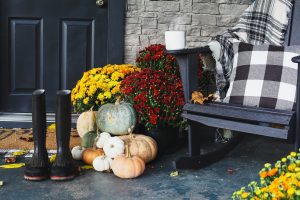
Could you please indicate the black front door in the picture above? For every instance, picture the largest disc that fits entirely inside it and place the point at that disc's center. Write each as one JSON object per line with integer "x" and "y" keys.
{"x": 50, "y": 43}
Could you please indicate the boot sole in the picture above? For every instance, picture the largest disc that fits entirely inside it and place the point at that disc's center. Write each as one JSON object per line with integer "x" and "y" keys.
{"x": 35, "y": 178}
{"x": 62, "y": 178}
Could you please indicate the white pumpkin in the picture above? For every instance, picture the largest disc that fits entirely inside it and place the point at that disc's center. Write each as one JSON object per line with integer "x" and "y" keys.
{"x": 77, "y": 152}
{"x": 86, "y": 122}
{"x": 102, "y": 163}
{"x": 104, "y": 136}
{"x": 113, "y": 147}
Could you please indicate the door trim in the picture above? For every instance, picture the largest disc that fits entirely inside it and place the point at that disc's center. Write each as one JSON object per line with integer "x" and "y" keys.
{"x": 115, "y": 43}
{"x": 115, "y": 55}
{"x": 24, "y": 120}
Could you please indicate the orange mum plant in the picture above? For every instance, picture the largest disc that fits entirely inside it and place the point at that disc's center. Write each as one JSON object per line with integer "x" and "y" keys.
{"x": 278, "y": 181}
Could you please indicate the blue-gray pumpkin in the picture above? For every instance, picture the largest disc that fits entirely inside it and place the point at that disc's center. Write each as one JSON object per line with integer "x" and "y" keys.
{"x": 116, "y": 118}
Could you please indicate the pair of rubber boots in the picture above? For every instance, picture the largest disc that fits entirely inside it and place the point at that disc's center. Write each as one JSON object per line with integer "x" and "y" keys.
{"x": 39, "y": 167}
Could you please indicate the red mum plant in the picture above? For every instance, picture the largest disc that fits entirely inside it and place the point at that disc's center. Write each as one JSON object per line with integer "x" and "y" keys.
{"x": 155, "y": 57}
{"x": 157, "y": 97}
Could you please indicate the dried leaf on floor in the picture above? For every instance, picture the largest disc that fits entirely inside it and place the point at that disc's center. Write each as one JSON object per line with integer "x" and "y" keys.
{"x": 1, "y": 183}
{"x": 27, "y": 139}
{"x": 12, "y": 166}
{"x": 52, "y": 158}
{"x": 174, "y": 174}
{"x": 230, "y": 170}
{"x": 10, "y": 159}
{"x": 87, "y": 167}
{"x": 74, "y": 135}
{"x": 51, "y": 127}
{"x": 20, "y": 153}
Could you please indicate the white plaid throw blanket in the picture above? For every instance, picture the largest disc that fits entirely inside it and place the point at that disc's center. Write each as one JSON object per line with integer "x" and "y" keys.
{"x": 263, "y": 22}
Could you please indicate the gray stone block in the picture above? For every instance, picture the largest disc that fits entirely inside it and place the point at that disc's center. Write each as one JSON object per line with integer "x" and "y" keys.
{"x": 132, "y": 40}
{"x": 133, "y": 20}
{"x": 201, "y": 20}
{"x": 148, "y": 31}
{"x": 168, "y": 18}
{"x": 227, "y": 20}
{"x": 162, "y": 6}
{"x": 193, "y": 31}
{"x": 133, "y": 29}
{"x": 211, "y": 31}
{"x": 232, "y": 9}
{"x": 205, "y": 8}
{"x": 149, "y": 23}
{"x": 186, "y": 6}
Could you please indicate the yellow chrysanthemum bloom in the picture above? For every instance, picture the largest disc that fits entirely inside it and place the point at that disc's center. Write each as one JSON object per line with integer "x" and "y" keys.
{"x": 99, "y": 86}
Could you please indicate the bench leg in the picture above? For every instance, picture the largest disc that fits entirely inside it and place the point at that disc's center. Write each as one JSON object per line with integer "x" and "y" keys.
{"x": 195, "y": 159}
{"x": 297, "y": 134}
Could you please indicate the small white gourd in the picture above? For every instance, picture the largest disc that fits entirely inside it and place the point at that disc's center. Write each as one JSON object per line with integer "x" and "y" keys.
{"x": 104, "y": 136}
{"x": 77, "y": 152}
{"x": 113, "y": 147}
{"x": 102, "y": 163}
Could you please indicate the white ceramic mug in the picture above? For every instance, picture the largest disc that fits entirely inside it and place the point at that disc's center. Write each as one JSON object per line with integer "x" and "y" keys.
{"x": 175, "y": 40}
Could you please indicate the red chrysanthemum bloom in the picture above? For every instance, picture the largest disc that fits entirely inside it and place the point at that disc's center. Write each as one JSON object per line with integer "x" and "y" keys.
{"x": 157, "y": 97}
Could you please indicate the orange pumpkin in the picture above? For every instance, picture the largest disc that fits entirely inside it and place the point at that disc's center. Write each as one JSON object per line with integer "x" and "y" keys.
{"x": 89, "y": 155}
{"x": 141, "y": 145}
{"x": 127, "y": 166}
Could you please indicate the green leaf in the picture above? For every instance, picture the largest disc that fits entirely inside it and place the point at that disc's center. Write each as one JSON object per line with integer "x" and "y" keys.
{"x": 88, "y": 139}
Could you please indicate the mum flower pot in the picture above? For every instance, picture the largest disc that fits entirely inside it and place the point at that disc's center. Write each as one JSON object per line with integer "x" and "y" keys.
{"x": 167, "y": 137}
{"x": 38, "y": 167}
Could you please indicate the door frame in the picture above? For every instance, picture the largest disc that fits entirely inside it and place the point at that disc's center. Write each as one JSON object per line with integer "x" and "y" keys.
{"x": 115, "y": 55}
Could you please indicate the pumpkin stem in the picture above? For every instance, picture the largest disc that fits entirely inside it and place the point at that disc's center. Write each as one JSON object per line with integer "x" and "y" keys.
{"x": 118, "y": 100}
{"x": 128, "y": 154}
{"x": 130, "y": 133}
{"x": 91, "y": 109}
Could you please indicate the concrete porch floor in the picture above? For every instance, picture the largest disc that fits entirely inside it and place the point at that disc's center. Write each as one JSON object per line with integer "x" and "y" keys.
{"x": 213, "y": 182}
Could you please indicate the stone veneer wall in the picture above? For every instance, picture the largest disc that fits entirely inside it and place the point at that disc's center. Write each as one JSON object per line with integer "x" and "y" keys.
{"x": 147, "y": 20}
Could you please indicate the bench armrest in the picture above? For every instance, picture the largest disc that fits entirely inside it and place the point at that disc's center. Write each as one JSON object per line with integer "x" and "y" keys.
{"x": 196, "y": 50}
{"x": 188, "y": 60}
{"x": 296, "y": 59}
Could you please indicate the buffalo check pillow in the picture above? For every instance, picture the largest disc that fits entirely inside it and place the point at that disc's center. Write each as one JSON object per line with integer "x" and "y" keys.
{"x": 263, "y": 76}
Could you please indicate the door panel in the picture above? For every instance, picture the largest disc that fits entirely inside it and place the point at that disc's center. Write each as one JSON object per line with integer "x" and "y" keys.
{"x": 77, "y": 50}
{"x": 50, "y": 43}
{"x": 25, "y": 55}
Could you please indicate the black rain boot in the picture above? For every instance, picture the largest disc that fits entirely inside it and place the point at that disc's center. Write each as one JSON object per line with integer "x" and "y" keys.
{"x": 63, "y": 167}
{"x": 38, "y": 167}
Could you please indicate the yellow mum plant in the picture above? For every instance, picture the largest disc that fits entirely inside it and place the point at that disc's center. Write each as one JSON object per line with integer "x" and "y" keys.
{"x": 278, "y": 181}
{"x": 100, "y": 86}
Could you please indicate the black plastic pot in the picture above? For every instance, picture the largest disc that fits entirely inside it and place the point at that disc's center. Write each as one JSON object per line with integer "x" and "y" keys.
{"x": 166, "y": 137}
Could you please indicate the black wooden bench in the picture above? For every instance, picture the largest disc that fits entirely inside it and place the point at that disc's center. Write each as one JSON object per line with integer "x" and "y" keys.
{"x": 234, "y": 117}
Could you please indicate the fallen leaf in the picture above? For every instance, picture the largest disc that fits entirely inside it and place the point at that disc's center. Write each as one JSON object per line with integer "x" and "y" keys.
{"x": 199, "y": 98}
{"x": 87, "y": 167}
{"x": 174, "y": 174}
{"x": 27, "y": 139}
{"x": 51, "y": 127}
{"x": 230, "y": 171}
{"x": 1, "y": 183}
{"x": 52, "y": 158}
{"x": 11, "y": 159}
{"x": 74, "y": 135}
{"x": 20, "y": 153}
{"x": 12, "y": 166}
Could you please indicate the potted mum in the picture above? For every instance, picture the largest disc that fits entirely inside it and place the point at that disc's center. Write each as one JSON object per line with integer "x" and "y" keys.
{"x": 157, "y": 94}
{"x": 99, "y": 86}
{"x": 278, "y": 181}
{"x": 154, "y": 57}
